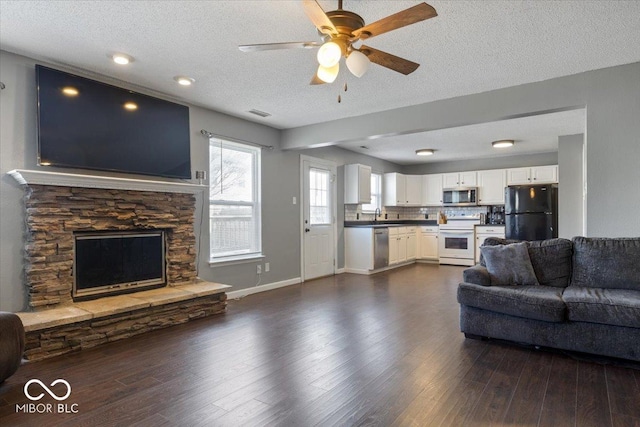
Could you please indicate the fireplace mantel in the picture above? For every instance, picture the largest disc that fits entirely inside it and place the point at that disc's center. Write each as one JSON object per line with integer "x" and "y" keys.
{"x": 26, "y": 177}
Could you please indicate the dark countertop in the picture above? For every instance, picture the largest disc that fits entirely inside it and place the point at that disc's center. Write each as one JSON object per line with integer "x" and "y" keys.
{"x": 390, "y": 223}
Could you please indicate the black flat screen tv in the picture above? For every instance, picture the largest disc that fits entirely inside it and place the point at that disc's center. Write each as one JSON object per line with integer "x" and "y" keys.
{"x": 86, "y": 124}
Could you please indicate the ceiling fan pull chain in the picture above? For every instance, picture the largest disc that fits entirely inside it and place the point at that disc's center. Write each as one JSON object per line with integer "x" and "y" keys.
{"x": 339, "y": 99}
{"x": 345, "y": 86}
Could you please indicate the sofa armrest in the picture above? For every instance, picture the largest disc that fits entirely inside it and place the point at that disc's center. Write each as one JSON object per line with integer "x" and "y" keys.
{"x": 477, "y": 274}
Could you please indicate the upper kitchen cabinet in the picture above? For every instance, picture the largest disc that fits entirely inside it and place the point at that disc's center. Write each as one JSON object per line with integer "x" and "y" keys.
{"x": 459, "y": 179}
{"x": 491, "y": 185}
{"x": 533, "y": 175}
{"x": 414, "y": 190}
{"x": 432, "y": 190}
{"x": 357, "y": 184}
{"x": 402, "y": 190}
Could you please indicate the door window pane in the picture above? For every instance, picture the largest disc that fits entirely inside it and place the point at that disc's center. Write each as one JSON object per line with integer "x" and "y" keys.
{"x": 319, "y": 208}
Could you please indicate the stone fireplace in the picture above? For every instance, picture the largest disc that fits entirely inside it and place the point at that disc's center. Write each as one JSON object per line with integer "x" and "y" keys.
{"x": 61, "y": 207}
{"x": 55, "y": 214}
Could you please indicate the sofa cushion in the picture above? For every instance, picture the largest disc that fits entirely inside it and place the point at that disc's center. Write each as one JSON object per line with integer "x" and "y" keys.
{"x": 606, "y": 306}
{"x": 551, "y": 259}
{"x": 612, "y": 263}
{"x": 509, "y": 264}
{"x": 531, "y": 302}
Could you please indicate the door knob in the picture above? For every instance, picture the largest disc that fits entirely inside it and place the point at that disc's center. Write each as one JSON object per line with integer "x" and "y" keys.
{"x": 306, "y": 230}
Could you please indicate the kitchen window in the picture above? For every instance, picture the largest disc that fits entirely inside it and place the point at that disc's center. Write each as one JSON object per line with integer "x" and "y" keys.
{"x": 234, "y": 201}
{"x": 376, "y": 194}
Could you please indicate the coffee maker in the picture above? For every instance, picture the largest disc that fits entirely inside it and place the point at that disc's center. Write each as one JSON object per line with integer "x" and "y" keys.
{"x": 496, "y": 214}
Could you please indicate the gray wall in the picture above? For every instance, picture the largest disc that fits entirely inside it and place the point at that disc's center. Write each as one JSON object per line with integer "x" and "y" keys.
{"x": 541, "y": 159}
{"x": 612, "y": 98}
{"x": 280, "y": 183}
{"x": 571, "y": 185}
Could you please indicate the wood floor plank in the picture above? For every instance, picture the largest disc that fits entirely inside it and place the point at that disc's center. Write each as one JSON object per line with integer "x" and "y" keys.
{"x": 559, "y": 404}
{"x": 592, "y": 402}
{"x": 381, "y": 350}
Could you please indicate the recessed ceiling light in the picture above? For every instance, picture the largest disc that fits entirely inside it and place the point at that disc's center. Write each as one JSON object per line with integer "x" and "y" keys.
{"x": 184, "y": 81}
{"x": 503, "y": 143}
{"x": 121, "y": 58}
{"x": 131, "y": 106}
{"x": 425, "y": 152}
{"x": 70, "y": 91}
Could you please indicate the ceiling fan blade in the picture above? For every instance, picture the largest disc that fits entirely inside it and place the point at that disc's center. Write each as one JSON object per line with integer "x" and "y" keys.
{"x": 409, "y": 16}
{"x": 276, "y": 46}
{"x": 392, "y": 62}
{"x": 315, "y": 80}
{"x": 320, "y": 19}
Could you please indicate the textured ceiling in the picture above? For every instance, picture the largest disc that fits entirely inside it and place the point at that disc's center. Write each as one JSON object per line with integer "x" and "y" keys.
{"x": 471, "y": 47}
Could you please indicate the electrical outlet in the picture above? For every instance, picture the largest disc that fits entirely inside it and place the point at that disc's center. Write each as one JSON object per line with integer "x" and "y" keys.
{"x": 266, "y": 267}
{"x": 259, "y": 269}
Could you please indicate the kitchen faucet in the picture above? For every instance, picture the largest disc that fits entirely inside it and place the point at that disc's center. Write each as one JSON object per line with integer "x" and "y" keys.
{"x": 377, "y": 214}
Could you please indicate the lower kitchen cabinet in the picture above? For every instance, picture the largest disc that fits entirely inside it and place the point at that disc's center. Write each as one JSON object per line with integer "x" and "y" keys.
{"x": 428, "y": 243}
{"x": 484, "y": 231}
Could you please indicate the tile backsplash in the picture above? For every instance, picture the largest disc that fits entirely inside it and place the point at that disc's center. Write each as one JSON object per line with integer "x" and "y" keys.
{"x": 354, "y": 212}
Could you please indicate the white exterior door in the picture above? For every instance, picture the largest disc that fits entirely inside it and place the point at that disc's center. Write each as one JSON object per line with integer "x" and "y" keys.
{"x": 318, "y": 218}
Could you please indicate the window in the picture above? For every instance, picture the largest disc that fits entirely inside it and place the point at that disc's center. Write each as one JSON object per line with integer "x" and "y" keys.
{"x": 376, "y": 194}
{"x": 234, "y": 200}
{"x": 319, "y": 208}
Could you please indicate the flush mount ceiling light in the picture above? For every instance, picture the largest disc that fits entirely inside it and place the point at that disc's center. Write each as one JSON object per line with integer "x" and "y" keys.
{"x": 341, "y": 30}
{"x": 503, "y": 143}
{"x": 131, "y": 106}
{"x": 184, "y": 80}
{"x": 425, "y": 152}
{"x": 121, "y": 58}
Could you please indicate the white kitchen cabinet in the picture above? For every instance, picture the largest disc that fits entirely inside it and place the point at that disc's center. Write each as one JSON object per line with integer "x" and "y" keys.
{"x": 402, "y": 190}
{"x": 432, "y": 190}
{"x": 428, "y": 242}
{"x": 394, "y": 189}
{"x": 412, "y": 243}
{"x": 459, "y": 179}
{"x": 413, "y": 190}
{"x": 357, "y": 184}
{"x": 533, "y": 175}
{"x": 402, "y": 245}
{"x": 491, "y": 184}
{"x": 484, "y": 231}
{"x": 544, "y": 174}
{"x": 394, "y": 245}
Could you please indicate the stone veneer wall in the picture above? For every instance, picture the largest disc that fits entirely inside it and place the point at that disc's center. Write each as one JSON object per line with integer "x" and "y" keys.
{"x": 54, "y": 213}
{"x": 58, "y": 340}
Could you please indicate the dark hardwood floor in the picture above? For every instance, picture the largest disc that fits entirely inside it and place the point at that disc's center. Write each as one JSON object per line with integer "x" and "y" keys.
{"x": 346, "y": 350}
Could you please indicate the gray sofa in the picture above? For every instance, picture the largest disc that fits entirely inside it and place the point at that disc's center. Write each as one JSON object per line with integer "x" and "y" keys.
{"x": 586, "y": 299}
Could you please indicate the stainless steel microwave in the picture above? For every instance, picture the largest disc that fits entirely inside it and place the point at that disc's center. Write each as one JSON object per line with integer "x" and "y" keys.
{"x": 460, "y": 196}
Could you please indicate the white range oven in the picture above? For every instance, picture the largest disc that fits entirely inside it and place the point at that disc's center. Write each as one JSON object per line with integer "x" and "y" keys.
{"x": 456, "y": 241}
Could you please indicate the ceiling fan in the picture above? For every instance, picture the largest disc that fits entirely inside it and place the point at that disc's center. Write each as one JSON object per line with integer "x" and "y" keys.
{"x": 340, "y": 29}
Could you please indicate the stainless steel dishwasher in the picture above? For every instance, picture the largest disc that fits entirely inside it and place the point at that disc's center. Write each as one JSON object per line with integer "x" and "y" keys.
{"x": 380, "y": 247}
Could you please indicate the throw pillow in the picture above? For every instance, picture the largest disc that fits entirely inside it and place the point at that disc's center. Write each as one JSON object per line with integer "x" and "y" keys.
{"x": 509, "y": 264}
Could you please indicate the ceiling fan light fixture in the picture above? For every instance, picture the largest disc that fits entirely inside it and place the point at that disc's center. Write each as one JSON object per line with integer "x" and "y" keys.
{"x": 328, "y": 74}
{"x": 329, "y": 54}
{"x": 425, "y": 152}
{"x": 358, "y": 63}
{"x": 503, "y": 143}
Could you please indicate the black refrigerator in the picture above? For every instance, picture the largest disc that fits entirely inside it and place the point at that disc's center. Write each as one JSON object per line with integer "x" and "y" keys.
{"x": 531, "y": 212}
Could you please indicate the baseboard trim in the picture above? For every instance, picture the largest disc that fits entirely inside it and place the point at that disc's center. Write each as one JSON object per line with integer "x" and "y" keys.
{"x": 263, "y": 288}
{"x": 341, "y": 270}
